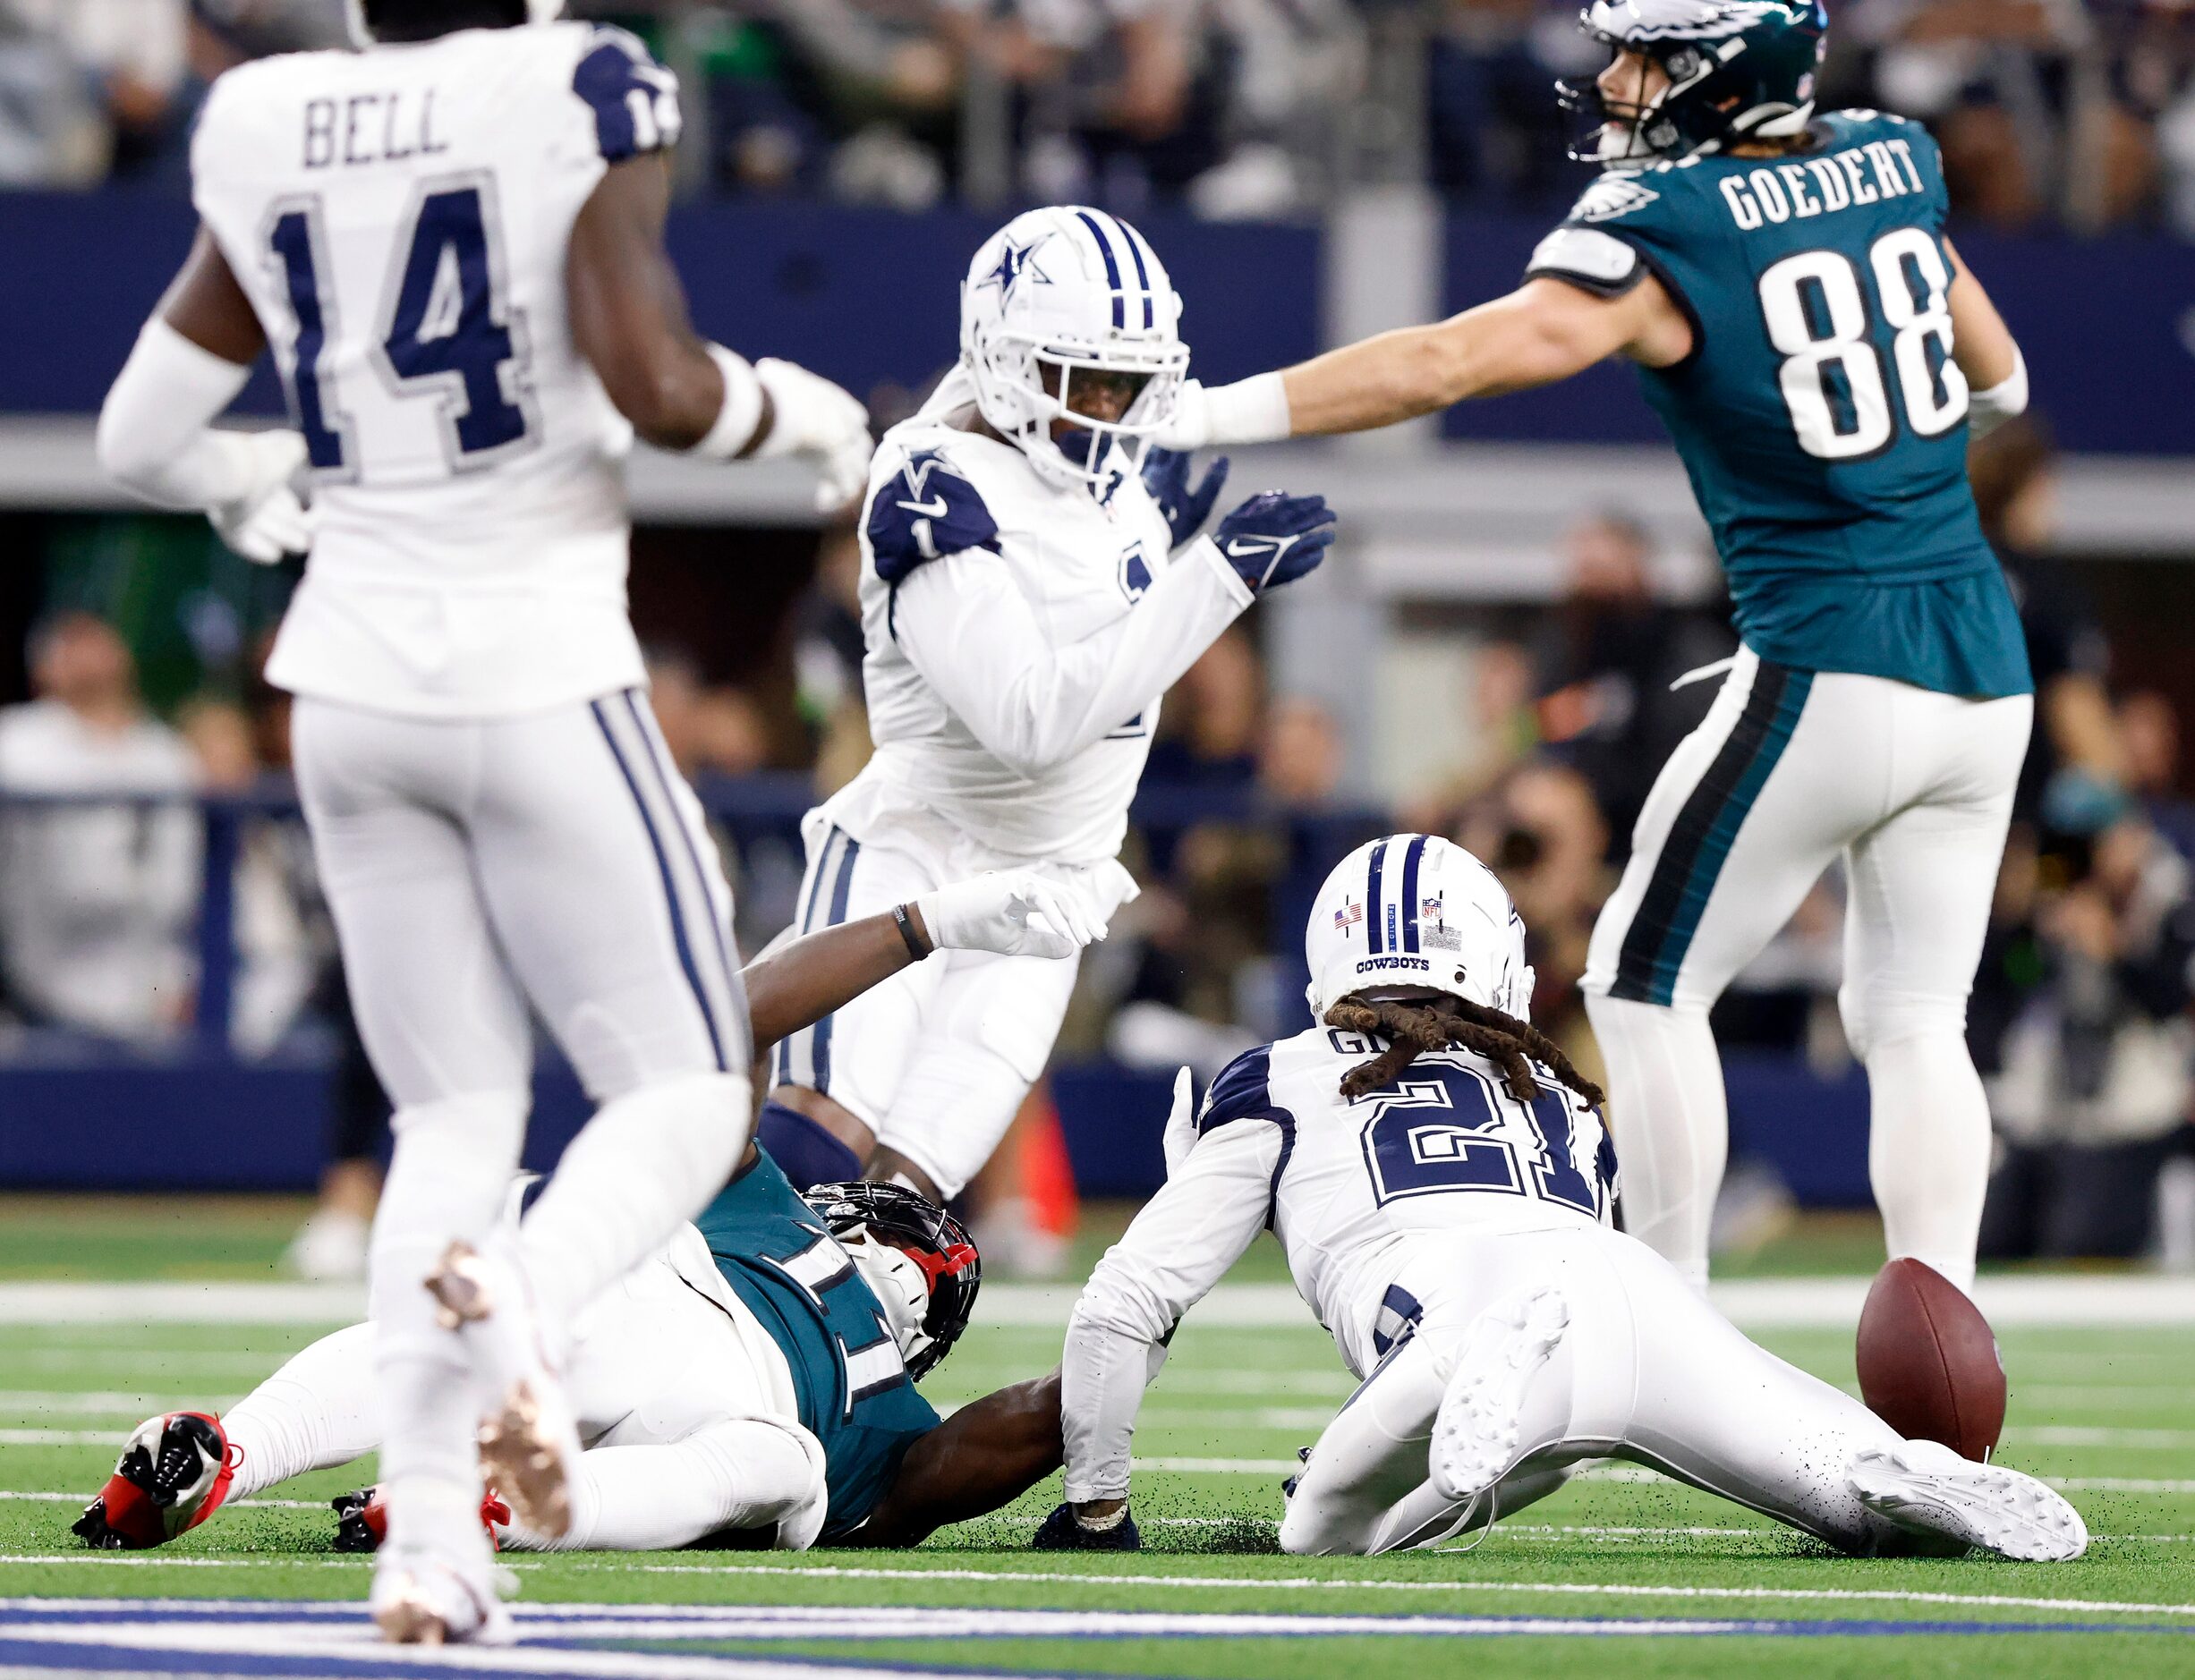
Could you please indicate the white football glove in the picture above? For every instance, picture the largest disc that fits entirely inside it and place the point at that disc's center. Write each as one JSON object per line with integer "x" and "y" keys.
{"x": 813, "y": 419}
{"x": 269, "y": 519}
{"x": 1014, "y": 914}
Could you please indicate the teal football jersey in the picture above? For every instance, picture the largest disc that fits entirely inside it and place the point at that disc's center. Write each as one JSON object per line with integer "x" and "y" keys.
{"x": 852, "y": 1390}
{"x": 1820, "y": 416}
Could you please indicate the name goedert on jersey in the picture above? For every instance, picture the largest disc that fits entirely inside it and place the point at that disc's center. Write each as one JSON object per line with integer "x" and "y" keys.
{"x": 1815, "y": 186}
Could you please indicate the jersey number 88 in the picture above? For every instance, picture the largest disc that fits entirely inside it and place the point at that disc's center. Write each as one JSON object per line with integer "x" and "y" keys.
{"x": 1833, "y": 378}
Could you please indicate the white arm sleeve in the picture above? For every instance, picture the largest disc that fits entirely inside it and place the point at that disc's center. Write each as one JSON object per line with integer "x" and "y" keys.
{"x": 968, "y": 629}
{"x": 1179, "y": 1246}
{"x": 154, "y": 436}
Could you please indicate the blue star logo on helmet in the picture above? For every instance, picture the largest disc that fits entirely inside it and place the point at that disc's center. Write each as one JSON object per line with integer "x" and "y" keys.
{"x": 1013, "y": 263}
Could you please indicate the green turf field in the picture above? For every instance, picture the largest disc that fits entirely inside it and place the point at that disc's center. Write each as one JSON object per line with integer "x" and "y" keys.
{"x": 2106, "y": 1411}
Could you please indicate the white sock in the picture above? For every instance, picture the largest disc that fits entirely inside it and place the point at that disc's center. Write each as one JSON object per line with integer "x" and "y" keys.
{"x": 447, "y": 1179}
{"x": 742, "y": 1473}
{"x": 1670, "y": 1124}
{"x": 1928, "y": 1148}
{"x": 317, "y": 1412}
{"x": 649, "y": 1161}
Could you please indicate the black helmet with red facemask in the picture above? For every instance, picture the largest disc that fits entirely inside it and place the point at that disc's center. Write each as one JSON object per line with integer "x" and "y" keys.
{"x": 916, "y": 1259}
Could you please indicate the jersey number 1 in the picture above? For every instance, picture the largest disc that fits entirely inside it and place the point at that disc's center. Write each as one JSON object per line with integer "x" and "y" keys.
{"x": 1832, "y": 377}
{"x": 447, "y": 330}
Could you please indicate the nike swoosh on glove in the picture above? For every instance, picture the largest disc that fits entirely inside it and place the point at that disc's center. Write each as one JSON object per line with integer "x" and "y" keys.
{"x": 1166, "y": 475}
{"x": 270, "y": 520}
{"x": 1274, "y": 539}
{"x": 813, "y": 419}
{"x": 1013, "y": 913}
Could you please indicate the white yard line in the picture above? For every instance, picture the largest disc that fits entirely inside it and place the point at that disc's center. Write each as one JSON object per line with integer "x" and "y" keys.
{"x": 49, "y": 1495}
{"x": 2082, "y": 1301}
{"x": 1235, "y": 1583}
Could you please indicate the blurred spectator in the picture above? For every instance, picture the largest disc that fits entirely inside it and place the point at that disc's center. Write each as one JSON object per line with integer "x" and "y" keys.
{"x": 1300, "y": 761}
{"x": 828, "y": 649}
{"x": 129, "y": 56}
{"x": 706, "y": 729}
{"x": 1612, "y": 701}
{"x": 2093, "y": 1079}
{"x": 1541, "y": 831}
{"x": 227, "y": 32}
{"x": 95, "y": 901}
{"x": 277, "y": 966}
{"x": 2075, "y": 753}
{"x": 1495, "y": 127}
{"x": 1209, "y": 722}
{"x": 2150, "y": 738}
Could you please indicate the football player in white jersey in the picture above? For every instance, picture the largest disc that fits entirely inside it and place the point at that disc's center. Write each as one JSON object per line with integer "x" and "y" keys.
{"x": 453, "y": 241}
{"x": 1026, "y": 599}
{"x": 1439, "y": 1177}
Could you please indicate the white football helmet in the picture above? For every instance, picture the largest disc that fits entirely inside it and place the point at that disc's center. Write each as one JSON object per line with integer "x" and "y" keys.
{"x": 1063, "y": 290}
{"x": 1417, "y": 909}
{"x": 361, "y": 35}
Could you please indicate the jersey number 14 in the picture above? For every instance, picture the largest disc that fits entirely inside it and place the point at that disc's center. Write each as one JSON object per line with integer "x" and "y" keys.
{"x": 1816, "y": 306}
{"x": 446, "y": 330}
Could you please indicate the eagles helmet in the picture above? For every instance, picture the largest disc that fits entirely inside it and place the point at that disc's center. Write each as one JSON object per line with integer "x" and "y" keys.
{"x": 1737, "y": 69}
{"x": 1417, "y": 909}
{"x": 916, "y": 1259}
{"x": 362, "y": 35}
{"x": 1068, "y": 292}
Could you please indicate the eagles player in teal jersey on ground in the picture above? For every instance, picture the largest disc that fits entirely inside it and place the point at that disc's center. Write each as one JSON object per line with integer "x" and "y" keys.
{"x": 1820, "y": 356}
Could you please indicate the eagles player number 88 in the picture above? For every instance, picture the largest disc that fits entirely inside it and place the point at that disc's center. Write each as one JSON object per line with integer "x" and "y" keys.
{"x": 1816, "y": 289}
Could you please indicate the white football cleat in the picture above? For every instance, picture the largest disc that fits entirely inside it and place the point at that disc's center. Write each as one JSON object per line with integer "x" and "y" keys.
{"x": 1926, "y": 1489}
{"x": 529, "y": 1440}
{"x": 423, "y": 1597}
{"x": 1474, "y": 1433}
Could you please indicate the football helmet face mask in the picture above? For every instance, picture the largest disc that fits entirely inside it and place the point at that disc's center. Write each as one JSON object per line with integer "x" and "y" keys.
{"x": 1733, "y": 69}
{"x": 1057, "y": 301}
{"x": 361, "y": 31}
{"x": 917, "y": 1259}
{"x": 1415, "y": 910}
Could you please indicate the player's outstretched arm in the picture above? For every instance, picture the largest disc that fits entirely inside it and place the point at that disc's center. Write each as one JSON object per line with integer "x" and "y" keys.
{"x": 1986, "y": 352}
{"x": 156, "y": 436}
{"x": 681, "y": 392}
{"x": 985, "y": 1456}
{"x": 1013, "y": 913}
{"x": 1544, "y": 331}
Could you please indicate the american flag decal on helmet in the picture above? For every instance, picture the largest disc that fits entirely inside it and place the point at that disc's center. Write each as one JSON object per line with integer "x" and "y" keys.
{"x": 1349, "y": 917}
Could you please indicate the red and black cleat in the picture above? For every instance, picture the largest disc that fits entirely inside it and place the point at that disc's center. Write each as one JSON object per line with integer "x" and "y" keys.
{"x": 174, "y": 1474}
{"x": 361, "y": 1519}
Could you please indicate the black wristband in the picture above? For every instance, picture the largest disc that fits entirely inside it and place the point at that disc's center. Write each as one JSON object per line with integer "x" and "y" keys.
{"x": 905, "y": 924}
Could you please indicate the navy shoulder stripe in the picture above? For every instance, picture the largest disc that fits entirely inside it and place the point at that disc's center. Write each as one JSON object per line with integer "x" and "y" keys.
{"x": 633, "y": 98}
{"x": 923, "y": 513}
{"x": 1244, "y": 1091}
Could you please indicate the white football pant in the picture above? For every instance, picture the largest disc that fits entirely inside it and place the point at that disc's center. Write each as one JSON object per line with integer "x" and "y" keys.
{"x": 474, "y": 868}
{"x": 936, "y": 1060}
{"x": 688, "y": 1429}
{"x": 1646, "y": 1371}
{"x": 1788, "y": 770}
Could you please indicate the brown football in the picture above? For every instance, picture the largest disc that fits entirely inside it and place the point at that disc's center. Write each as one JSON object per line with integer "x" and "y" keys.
{"x": 1929, "y": 1365}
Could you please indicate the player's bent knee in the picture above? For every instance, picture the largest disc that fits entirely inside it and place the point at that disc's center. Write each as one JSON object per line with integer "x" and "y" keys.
{"x": 1874, "y": 1020}
{"x": 701, "y": 1118}
{"x": 772, "y": 1472}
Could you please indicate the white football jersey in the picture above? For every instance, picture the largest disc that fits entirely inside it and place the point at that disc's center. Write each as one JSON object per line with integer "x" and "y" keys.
{"x": 1019, "y": 635}
{"x": 400, "y": 219}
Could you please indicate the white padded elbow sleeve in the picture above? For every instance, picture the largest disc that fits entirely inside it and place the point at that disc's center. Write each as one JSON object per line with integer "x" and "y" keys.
{"x": 1988, "y": 410}
{"x": 1252, "y": 410}
{"x": 742, "y": 407}
{"x": 154, "y": 436}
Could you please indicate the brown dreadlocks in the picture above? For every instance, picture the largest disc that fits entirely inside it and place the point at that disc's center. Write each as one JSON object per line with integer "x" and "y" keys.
{"x": 1413, "y": 1028}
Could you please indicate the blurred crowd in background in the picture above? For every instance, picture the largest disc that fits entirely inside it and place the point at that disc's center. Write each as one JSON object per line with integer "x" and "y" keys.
{"x": 2075, "y": 112}
{"x": 2082, "y": 1017}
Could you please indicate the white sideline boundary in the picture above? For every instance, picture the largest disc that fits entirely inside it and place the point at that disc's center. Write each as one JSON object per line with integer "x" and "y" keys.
{"x": 2070, "y": 1300}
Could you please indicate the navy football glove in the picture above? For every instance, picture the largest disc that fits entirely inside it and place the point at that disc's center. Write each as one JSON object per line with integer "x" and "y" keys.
{"x": 1166, "y": 475}
{"x": 1063, "y": 1531}
{"x": 1273, "y": 538}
